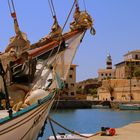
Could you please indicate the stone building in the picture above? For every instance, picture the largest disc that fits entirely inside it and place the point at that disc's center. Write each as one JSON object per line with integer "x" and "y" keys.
{"x": 70, "y": 84}
{"x": 126, "y": 68}
{"x": 120, "y": 90}
{"x": 124, "y": 86}
{"x": 108, "y": 72}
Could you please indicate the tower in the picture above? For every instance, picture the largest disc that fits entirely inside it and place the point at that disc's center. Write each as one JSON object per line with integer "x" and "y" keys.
{"x": 109, "y": 62}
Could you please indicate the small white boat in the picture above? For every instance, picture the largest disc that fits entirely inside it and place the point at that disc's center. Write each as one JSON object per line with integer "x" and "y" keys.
{"x": 63, "y": 136}
{"x": 99, "y": 107}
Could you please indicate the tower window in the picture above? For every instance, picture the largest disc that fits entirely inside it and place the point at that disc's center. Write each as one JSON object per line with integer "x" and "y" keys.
{"x": 109, "y": 63}
{"x": 136, "y": 56}
{"x": 71, "y": 68}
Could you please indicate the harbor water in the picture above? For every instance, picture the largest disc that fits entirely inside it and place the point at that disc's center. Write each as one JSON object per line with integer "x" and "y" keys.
{"x": 89, "y": 120}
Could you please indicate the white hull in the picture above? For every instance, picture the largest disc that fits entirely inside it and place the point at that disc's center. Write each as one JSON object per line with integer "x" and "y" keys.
{"x": 26, "y": 126}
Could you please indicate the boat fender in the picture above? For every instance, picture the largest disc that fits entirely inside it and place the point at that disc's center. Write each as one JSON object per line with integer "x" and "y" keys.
{"x": 35, "y": 96}
{"x": 107, "y": 131}
{"x": 112, "y": 131}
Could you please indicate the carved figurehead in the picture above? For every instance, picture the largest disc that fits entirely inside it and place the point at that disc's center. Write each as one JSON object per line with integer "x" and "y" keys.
{"x": 82, "y": 20}
{"x": 19, "y": 42}
{"x": 56, "y": 30}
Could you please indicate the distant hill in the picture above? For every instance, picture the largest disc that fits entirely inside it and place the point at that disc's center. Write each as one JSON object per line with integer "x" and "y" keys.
{"x": 88, "y": 81}
{"x": 87, "y": 86}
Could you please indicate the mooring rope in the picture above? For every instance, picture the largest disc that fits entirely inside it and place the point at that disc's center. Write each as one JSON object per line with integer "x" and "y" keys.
{"x": 71, "y": 131}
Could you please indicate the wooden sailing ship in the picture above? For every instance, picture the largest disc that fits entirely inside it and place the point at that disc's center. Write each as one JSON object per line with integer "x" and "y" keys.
{"x": 31, "y": 76}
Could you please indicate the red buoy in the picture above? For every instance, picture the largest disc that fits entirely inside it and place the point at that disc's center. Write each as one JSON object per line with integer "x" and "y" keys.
{"x": 112, "y": 131}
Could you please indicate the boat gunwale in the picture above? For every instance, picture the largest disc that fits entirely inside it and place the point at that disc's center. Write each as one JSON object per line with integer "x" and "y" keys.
{"x": 52, "y": 43}
{"x": 27, "y": 109}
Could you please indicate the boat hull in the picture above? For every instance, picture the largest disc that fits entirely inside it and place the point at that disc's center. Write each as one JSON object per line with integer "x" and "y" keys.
{"x": 129, "y": 107}
{"x": 99, "y": 107}
{"x": 27, "y": 125}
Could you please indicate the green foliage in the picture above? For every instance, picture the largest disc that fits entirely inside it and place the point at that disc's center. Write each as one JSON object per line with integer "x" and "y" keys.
{"x": 79, "y": 90}
{"x": 93, "y": 91}
{"x": 137, "y": 73}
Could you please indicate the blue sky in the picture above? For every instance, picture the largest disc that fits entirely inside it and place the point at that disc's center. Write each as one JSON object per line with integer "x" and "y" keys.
{"x": 117, "y": 23}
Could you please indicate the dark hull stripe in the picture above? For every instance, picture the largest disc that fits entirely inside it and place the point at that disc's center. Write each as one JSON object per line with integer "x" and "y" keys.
{"x": 26, "y": 119}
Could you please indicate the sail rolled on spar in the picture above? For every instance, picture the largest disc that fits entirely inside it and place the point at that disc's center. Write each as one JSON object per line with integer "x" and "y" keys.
{"x": 65, "y": 58}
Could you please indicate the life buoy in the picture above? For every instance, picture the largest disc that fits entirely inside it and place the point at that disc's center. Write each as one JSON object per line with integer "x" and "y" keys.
{"x": 112, "y": 131}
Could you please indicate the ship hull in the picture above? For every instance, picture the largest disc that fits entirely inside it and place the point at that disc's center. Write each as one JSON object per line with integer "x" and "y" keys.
{"x": 26, "y": 124}
{"x": 129, "y": 107}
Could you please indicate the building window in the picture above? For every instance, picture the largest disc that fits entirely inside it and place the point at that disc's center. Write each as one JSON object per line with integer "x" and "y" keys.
{"x": 72, "y": 93}
{"x": 66, "y": 85}
{"x": 127, "y": 63}
{"x": 106, "y": 74}
{"x": 102, "y": 74}
{"x": 72, "y": 84}
{"x": 66, "y": 93}
{"x": 70, "y": 76}
{"x": 110, "y": 74}
{"x": 136, "y": 56}
{"x": 71, "y": 68}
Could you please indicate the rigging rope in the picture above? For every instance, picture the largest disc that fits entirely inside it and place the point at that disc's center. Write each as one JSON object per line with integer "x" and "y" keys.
{"x": 13, "y": 14}
{"x": 75, "y": 1}
{"x": 11, "y": 6}
{"x": 52, "y": 128}
{"x": 40, "y": 71}
{"x": 56, "y": 54}
{"x": 84, "y": 5}
{"x": 50, "y": 8}
{"x": 77, "y": 4}
{"x": 51, "y": 5}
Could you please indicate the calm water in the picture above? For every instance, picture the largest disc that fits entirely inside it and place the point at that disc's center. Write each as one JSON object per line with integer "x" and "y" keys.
{"x": 90, "y": 120}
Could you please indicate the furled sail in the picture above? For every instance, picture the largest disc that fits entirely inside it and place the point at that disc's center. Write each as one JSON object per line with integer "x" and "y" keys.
{"x": 65, "y": 58}
{"x": 59, "y": 63}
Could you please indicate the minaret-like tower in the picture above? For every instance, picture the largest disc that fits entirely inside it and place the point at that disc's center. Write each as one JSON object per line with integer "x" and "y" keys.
{"x": 109, "y": 62}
